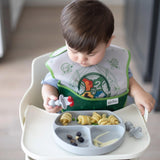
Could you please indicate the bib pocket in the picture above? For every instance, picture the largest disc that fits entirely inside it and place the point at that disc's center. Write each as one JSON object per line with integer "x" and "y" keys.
{"x": 84, "y": 103}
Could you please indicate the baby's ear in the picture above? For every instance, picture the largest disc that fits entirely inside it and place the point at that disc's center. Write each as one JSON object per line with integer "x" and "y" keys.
{"x": 110, "y": 40}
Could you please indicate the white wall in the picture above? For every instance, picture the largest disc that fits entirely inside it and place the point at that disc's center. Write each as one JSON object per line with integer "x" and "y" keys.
{"x": 63, "y": 2}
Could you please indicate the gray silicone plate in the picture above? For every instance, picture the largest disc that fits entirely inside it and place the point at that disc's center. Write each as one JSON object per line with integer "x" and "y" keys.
{"x": 89, "y": 133}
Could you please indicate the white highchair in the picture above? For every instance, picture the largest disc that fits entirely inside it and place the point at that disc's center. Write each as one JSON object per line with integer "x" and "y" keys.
{"x": 37, "y": 139}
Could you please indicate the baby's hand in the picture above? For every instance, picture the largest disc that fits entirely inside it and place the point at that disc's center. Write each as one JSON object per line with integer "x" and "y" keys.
{"x": 144, "y": 100}
{"x": 50, "y": 108}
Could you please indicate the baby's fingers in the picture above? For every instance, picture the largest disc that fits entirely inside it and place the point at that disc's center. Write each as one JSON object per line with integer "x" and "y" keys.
{"x": 54, "y": 110}
{"x": 149, "y": 105}
{"x": 141, "y": 108}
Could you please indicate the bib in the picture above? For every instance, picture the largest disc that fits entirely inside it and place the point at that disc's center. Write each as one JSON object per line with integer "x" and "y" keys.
{"x": 102, "y": 86}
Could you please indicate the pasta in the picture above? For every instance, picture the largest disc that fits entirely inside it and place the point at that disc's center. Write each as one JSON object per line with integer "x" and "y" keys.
{"x": 104, "y": 115}
{"x": 84, "y": 119}
{"x": 104, "y": 121}
{"x": 66, "y": 118}
{"x": 98, "y": 143}
{"x": 95, "y": 117}
{"x": 113, "y": 120}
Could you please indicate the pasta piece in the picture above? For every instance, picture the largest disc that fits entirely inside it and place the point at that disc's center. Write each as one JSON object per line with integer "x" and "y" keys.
{"x": 84, "y": 119}
{"x": 104, "y": 115}
{"x": 95, "y": 117}
{"x": 113, "y": 120}
{"x": 66, "y": 118}
{"x": 104, "y": 121}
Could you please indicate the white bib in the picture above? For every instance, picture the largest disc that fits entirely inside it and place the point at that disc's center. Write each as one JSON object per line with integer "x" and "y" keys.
{"x": 106, "y": 79}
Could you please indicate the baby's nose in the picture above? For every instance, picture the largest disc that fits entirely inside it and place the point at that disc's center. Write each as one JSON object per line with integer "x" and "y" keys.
{"x": 83, "y": 57}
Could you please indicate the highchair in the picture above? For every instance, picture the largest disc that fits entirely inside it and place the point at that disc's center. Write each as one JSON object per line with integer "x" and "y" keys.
{"x": 38, "y": 141}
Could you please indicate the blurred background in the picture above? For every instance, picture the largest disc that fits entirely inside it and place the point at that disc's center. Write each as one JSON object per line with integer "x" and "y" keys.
{"x": 30, "y": 28}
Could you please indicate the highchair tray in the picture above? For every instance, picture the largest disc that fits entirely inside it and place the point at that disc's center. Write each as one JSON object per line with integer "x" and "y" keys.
{"x": 39, "y": 142}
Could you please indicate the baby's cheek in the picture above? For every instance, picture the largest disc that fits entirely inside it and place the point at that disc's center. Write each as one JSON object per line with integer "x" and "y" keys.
{"x": 95, "y": 61}
{"x": 74, "y": 58}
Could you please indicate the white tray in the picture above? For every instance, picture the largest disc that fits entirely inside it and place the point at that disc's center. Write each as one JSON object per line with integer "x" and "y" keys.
{"x": 38, "y": 141}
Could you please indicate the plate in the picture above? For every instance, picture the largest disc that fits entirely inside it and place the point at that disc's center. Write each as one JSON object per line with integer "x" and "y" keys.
{"x": 98, "y": 139}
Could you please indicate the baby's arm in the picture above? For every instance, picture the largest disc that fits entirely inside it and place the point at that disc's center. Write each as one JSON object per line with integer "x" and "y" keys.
{"x": 49, "y": 92}
{"x": 141, "y": 97}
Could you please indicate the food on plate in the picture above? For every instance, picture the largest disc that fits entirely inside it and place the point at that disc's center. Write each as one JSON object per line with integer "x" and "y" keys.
{"x": 84, "y": 119}
{"x": 98, "y": 143}
{"x": 113, "y": 120}
{"x": 76, "y": 140}
{"x": 66, "y": 118}
{"x": 104, "y": 121}
{"x": 95, "y": 117}
{"x": 98, "y": 119}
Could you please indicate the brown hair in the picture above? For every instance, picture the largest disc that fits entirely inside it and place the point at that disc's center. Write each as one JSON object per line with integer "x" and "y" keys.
{"x": 86, "y": 23}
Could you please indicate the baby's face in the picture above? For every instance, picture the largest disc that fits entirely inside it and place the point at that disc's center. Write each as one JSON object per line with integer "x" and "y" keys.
{"x": 86, "y": 60}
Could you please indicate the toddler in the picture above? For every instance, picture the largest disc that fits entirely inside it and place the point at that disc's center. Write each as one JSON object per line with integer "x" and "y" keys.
{"x": 89, "y": 68}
